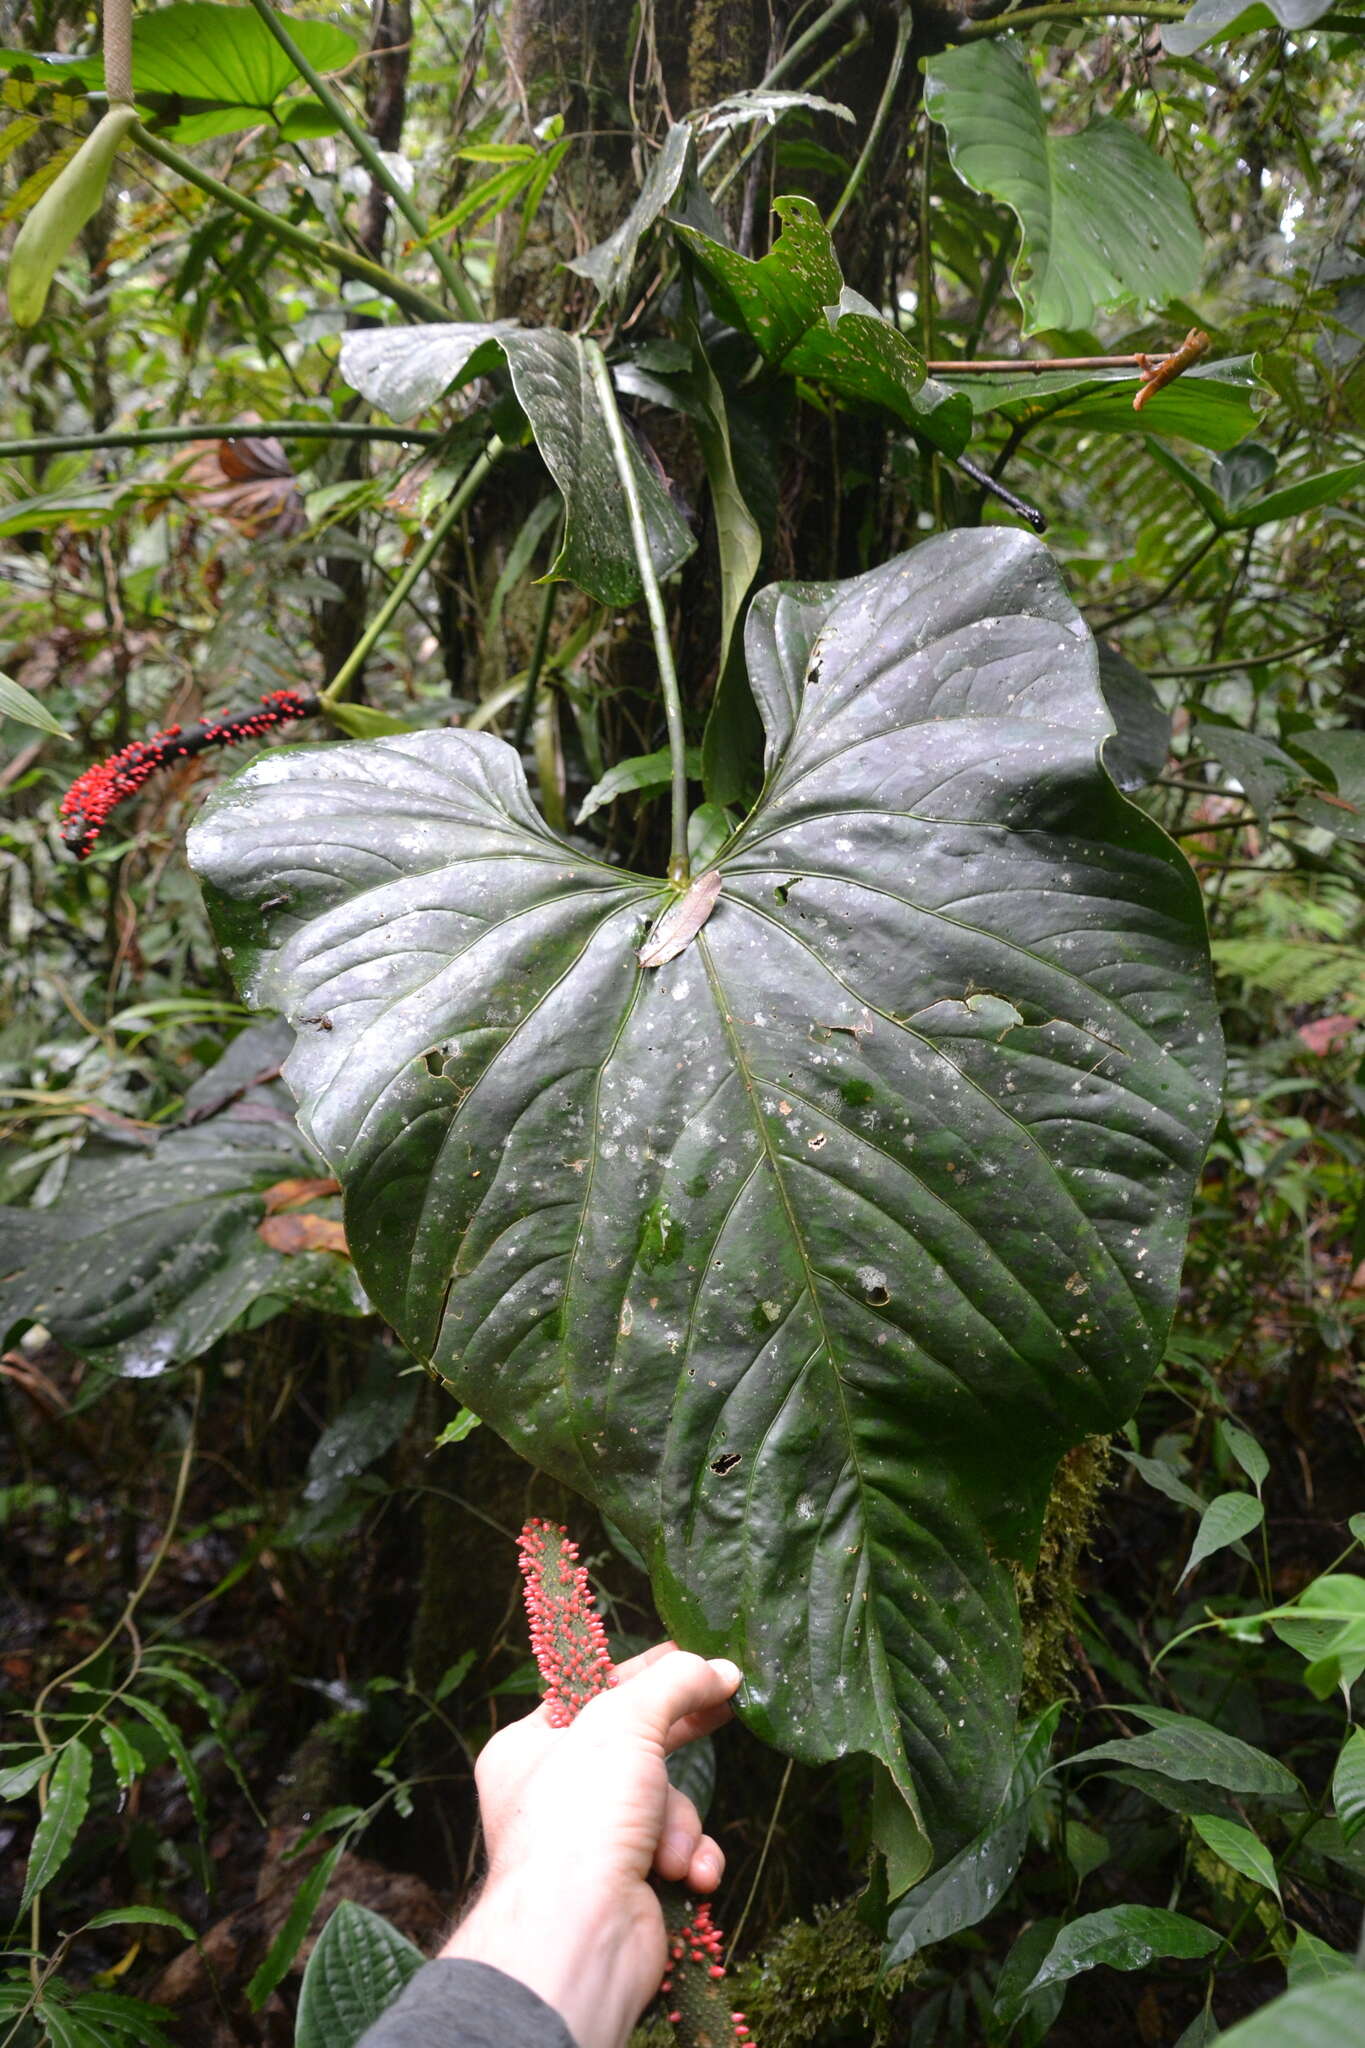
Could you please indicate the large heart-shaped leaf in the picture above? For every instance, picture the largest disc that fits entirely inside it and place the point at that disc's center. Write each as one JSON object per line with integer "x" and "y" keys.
{"x": 1105, "y": 222}
{"x": 145, "y": 1261}
{"x": 402, "y": 370}
{"x": 807, "y": 1254}
{"x": 211, "y": 69}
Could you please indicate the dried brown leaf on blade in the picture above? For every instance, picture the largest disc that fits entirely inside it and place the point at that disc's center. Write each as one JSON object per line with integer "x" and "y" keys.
{"x": 285, "y": 1193}
{"x": 305, "y": 1233}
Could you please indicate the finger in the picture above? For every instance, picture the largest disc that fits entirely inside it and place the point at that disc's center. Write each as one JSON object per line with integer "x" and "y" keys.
{"x": 679, "y": 1837}
{"x": 707, "y": 1867}
{"x": 693, "y": 1725}
{"x": 633, "y": 1666}
{"x": 668, "y": 1690}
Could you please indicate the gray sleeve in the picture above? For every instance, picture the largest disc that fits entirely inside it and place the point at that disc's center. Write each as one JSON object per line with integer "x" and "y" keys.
{"x": 459, "y": 2004}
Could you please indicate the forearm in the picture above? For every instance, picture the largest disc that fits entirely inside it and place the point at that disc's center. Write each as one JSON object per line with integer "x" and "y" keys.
{"x": 468, "y": 2004}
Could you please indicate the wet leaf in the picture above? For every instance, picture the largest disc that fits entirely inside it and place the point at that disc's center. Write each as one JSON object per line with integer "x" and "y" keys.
{"x": 701, "y": 1239}
{"x": 150, "y": 1256}
{"x": 402, "y": 370}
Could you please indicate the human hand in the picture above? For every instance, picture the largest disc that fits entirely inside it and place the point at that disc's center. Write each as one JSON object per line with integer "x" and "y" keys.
{"x": 575, "y": 1819}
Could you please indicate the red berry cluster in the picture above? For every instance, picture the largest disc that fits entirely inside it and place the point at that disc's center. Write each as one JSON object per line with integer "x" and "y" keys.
{"x": 698, "y": 1941}
{"x": 570, "y": 1648}
{"x": 567, "y": 1637}
{"x": 92, "y": 796}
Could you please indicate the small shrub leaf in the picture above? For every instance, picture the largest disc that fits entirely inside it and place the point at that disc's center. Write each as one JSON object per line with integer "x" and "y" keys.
{"x": 357, "y": 1969}
{"x": 68, "y": 1796}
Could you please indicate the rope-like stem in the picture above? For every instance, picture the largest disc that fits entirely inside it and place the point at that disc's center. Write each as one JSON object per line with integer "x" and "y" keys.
{"x": 211, "y": 430}
{"x": 364, "y": 145}
{"x": 678, "y": 865}
{"x": 879, "y": 121}
{"x": 331, "y": 255}
{"x": 118, "y": 51}
{"x": 397, "y": 597}
{"x": 1067, "y": 10}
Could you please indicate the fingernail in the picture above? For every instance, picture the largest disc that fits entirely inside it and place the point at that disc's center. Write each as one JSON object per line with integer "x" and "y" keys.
{"x": 731, "y": 1673}
{"x": 678, "y": 1848}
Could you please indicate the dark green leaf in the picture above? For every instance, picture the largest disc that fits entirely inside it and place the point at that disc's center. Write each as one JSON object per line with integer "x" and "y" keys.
{"x": 149, "y": 1257}
{"x": 17, "y": 1779}
{"x": 1313, "y": 491}
{"x": 404, "y": 369}
{"x": 299, "y": 1919}
{"x": 1242, "y": 472}
{"x": 778, "y": 297}
{"x": 358, "y": 1967}
{"x": 1124, "y": 1938}
{"x": 1137, "y": 752}
{"x": 1191, "y": 1751}
{"x": 140, "y": 1916}
{"x": 1216, "y": 21}
{"x": 177, "y": 1749}
{"x": 807, "y": 1162}
{"x": 972, "y": 1884}
{"x": 738, "y": 540}
{"x": 68, "y": 1796}
{"x": 1209, "y": 404}
{"x": 1105, "y": 221}
{"x": 1348, "y": 1785}
{"x": 1322, "y": 2015}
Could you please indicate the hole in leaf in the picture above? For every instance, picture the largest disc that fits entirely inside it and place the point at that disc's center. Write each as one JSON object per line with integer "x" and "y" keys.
{"x": 879, "y": 1296}
{"x": 725, "y": 1463}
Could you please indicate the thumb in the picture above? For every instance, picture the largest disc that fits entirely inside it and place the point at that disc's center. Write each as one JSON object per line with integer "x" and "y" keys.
{"x": 674, "y": 1686}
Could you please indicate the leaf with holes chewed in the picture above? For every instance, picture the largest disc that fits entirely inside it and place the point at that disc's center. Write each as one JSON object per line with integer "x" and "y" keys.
{"x": 799, "y": 1258}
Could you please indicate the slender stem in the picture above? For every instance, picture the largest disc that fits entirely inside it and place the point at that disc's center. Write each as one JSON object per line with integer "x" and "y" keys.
{"x": 762, "y": 1858}
{"x": 678, "y": 867}
{"x": 1173, "y": 582}
{"x": 330, "y": 254}
{"x": 879, "y": 121}
{"x": 1066, "y": 10}
{"x": 364, "y": 145}
{"x": 210, "y": 430}
{"x": 397, "y": 597}
{"x": 1034, "y": 366}
{"x": 537, "y": 663}
{"x": 1227, "y": 668}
